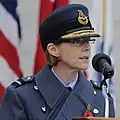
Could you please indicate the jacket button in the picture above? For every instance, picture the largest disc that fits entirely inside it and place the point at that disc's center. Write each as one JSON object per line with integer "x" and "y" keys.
{"x": 94, "y": 92}
{"x": 28, "y": 78}
{"x": 96, "y": 111}
{"x": 35, "y": 87}
{"x": 43, "y": 109}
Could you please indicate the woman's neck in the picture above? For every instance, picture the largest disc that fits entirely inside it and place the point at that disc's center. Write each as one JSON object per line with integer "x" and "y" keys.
{"x": 65, "y": 73}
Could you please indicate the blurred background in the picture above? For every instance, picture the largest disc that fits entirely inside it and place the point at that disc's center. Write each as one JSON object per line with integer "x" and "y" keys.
{"x": 21, "y": 53}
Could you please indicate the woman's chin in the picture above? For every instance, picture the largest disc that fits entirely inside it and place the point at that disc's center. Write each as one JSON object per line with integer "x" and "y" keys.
{"x": 85, "y": 67}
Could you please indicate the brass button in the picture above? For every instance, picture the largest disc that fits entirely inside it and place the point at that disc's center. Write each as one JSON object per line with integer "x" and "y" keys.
{"x": 94, "y": 92}
{"x": 43, "y": 109}
{"x": 35, "y": 87}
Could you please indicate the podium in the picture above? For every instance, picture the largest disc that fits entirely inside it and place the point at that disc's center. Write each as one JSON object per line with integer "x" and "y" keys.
{"x": 95, "y": 118}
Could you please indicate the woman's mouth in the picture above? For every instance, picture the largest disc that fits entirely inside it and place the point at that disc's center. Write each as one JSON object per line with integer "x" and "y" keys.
{"x": 84, "y": 58}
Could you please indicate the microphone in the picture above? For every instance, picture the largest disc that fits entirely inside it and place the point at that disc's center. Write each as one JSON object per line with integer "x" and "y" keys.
{"x": 102, "y": 63}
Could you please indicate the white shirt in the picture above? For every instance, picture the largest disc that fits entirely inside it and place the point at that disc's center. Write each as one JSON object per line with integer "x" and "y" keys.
{"x": 72, "y": 84}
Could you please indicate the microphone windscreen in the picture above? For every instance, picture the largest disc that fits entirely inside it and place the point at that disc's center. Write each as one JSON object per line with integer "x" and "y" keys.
{"x": 97, "y": 58}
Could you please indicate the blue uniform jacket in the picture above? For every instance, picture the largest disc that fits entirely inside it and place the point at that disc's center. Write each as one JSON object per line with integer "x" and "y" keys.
{"x": 43, "y": 97}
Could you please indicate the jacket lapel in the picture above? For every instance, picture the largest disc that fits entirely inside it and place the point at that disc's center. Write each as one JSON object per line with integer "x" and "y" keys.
{"x": 84, "y": 90}
{"x": 50, "y": 88}
{"x": 77, "y": 101}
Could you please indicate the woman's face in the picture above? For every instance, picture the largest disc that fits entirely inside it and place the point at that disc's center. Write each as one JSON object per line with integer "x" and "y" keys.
{"x": 75, "y": 55}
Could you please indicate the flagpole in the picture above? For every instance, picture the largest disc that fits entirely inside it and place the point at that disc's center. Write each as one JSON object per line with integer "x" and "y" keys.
{"x": 106, "y": 45}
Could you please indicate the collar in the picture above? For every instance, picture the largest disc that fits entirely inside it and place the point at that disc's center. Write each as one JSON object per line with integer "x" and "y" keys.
{"x": 71, "y": 85}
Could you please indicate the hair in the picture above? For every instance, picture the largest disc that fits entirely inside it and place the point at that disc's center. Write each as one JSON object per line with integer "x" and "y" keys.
{"x": 51, "y": 60}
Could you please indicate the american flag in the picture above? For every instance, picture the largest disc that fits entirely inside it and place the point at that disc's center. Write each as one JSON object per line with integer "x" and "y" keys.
{"x": 12, "y": 39}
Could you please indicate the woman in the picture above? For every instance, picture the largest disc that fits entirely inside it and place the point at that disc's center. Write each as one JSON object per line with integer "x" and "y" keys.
{"x": 60, "y": 91}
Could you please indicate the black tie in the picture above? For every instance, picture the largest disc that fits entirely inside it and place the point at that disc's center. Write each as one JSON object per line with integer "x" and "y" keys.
{"x": 69, "y": 88}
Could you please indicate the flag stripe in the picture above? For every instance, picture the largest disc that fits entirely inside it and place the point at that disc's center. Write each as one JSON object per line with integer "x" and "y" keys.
{"x": 2, "y": 90}
{"x": 59, "y": 3}
{"x": 8, "y": 26}
{"x": 9, "y": 52}
{"x": 13, "y": 12}
{"x": 40, "y": 59}
{"x": 46, "y": 7}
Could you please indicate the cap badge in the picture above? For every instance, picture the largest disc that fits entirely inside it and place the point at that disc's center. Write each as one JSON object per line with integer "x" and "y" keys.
{"x": 82, "y": 18}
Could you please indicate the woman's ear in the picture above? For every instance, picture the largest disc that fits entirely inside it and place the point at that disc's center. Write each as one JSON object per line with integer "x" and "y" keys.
{"x": 53, "y": 50}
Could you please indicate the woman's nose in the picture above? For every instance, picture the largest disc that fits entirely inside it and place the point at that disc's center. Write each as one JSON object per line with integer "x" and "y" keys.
{"x": 86, "y": 47}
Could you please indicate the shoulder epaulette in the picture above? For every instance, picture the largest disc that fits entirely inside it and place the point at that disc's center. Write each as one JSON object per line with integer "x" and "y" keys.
{"x": 95, "y": 84}
{"x": 22, "y": 81}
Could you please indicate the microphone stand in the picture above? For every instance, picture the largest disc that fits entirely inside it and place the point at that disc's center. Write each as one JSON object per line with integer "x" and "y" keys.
{"x": 104, "y": 88}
